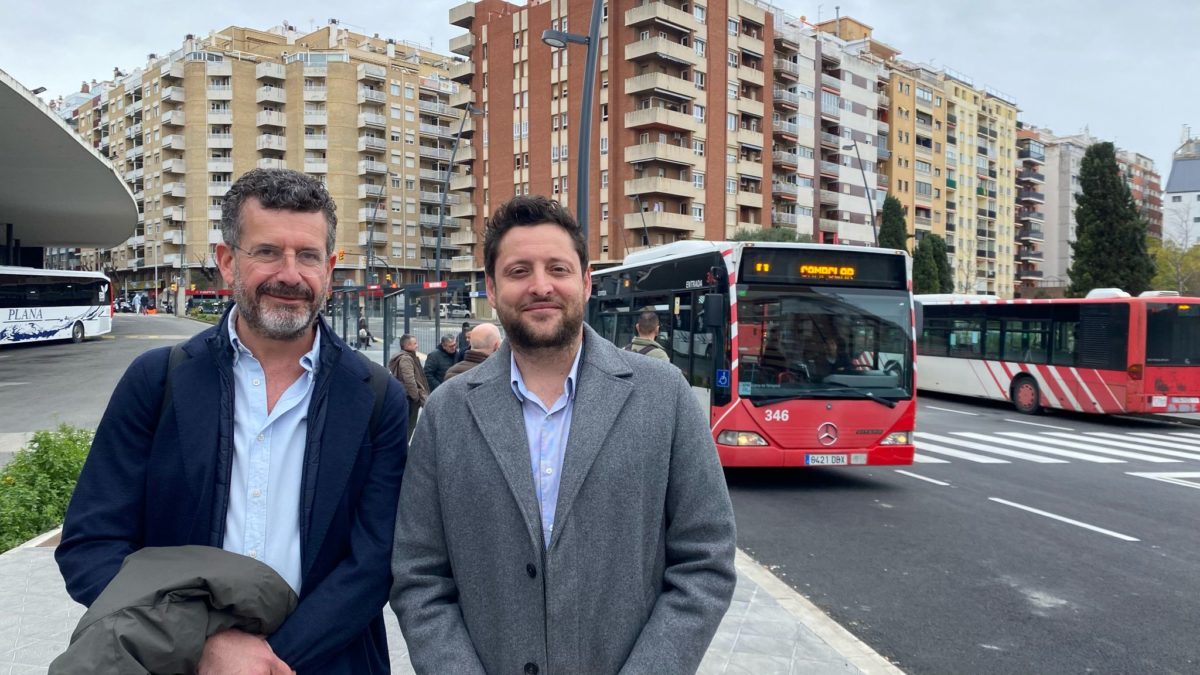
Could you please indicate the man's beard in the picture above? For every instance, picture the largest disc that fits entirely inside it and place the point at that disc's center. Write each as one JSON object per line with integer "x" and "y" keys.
{"x": 524, "y": 337}
{"x": 275, "y": 322}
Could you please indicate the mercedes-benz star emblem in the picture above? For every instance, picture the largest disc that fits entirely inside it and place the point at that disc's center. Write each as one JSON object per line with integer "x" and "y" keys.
{"x": 827, "y": 433}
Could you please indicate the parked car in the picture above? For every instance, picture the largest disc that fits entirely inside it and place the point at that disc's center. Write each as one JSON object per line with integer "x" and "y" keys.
{"x": 123, "y": 305}
{"x": 448, "y": 310}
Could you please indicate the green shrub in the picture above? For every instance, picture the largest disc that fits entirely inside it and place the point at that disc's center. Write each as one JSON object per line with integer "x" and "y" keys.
{"x": 36, "y": 485}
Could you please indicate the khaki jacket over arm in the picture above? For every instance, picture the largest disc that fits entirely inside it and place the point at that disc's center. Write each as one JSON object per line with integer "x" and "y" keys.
{"x": 406, "y": 367}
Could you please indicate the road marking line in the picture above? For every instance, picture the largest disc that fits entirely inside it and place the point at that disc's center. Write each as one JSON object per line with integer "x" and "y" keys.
{"x": 1035, "y": 424}
{"x": 1093, "y": 528}
{"x": 12, "y": 384}
{"x": 920, "y": 477}
{"x": 992, "y": 449}
{"x": 1142, "y": 443}
{"x": 1044, "y": 440}
{"x": 1038, "y": 447}
{"x": 1172, "y": 478}
{"x": 960, "y": 412}
{"x": 961, "y": 454}
{"x": 1125, "y": 446}
{"x": 926, "y": 459}
{"x": 1185, "y": 434}
{"x": 1189, "y": 443}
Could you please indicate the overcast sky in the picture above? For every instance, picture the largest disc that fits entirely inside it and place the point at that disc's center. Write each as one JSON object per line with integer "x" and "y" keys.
{"x": 1128, "y": 71}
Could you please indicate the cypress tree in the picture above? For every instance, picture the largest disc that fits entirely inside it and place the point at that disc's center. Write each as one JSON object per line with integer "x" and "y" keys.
{"x": 1110, "y": 235}
{"x": 893, "y": 231}
{"x": 941, "y": 258}
{"x": 925, "y": 269}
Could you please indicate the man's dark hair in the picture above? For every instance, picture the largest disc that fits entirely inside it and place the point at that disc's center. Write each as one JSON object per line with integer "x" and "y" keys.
{"x": 529, "y": 210}
{"x": 277, "y": 189}
{"x": 466, "y": 325}
{"x": 647, "y": 320}
{"x": 405, "y": 339}
{"x": 448, "y": 338}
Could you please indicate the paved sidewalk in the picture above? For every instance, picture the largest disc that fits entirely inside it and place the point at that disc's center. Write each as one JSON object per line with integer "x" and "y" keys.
{"x": 769, "y": 628}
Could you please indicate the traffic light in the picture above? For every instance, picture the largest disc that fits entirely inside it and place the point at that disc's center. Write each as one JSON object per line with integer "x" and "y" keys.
{"x": 193, "y": 287}
{"x": 341, "y": 254}
{"x": 174, "y": 287}
{"x": 388, "y": 278}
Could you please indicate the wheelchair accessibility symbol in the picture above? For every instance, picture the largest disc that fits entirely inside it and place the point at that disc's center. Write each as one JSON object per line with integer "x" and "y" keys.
{"x": 723, "y": 378}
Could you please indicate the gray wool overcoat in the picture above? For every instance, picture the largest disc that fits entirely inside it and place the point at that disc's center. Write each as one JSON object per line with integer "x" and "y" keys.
{"x": 640, "y": 568}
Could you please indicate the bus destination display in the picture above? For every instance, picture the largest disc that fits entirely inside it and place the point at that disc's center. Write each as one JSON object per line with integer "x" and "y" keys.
{"x": 797, "y": 266}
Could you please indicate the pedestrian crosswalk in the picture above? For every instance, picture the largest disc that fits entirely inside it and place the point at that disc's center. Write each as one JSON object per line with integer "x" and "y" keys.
{"x": 1057, "y": 447}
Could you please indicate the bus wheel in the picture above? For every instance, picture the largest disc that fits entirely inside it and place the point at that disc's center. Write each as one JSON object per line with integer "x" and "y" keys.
{"x": 77, "y": 332}
{"x": 1026, "y": 396}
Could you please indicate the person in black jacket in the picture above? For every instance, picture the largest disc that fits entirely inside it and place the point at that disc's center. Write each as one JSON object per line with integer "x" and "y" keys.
{"x": 440, "y": 360}
{"x": 464, "y": 342}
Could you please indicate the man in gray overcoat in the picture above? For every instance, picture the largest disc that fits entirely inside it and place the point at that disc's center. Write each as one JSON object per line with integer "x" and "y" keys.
{"x": 563, "y": 509}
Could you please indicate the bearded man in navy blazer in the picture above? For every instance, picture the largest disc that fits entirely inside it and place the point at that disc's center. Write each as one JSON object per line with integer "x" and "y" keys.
{"x": 272, "y": 443}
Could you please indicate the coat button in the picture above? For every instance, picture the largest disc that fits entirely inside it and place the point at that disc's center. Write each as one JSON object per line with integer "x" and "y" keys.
{"x": 531, "y": 571}
{"x": 531, "y": 668}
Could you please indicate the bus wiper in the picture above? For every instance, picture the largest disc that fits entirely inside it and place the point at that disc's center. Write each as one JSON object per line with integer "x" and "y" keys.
{"x": 862, "y": 393}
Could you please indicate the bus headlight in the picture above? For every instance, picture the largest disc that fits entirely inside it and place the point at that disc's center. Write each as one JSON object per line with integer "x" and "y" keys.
{"x": 740, "y": 438}
{"x": 897, "y": 438}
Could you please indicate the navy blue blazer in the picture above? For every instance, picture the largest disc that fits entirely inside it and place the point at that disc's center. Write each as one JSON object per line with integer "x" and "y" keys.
{"x": 151, "y": 484}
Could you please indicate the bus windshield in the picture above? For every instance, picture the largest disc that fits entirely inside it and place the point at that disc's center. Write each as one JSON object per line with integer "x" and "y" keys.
{"x": 1172, "y": 334}
{"x": 823, "y": 342}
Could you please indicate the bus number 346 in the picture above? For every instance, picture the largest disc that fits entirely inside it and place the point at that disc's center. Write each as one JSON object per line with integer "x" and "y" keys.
{"x": 777, "y": 415}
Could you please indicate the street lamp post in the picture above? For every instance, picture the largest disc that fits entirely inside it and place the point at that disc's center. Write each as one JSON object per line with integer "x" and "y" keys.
{"x": 557, "y": 39}
{"x": 437, "y": 261}
{"x": 867, "y": 188}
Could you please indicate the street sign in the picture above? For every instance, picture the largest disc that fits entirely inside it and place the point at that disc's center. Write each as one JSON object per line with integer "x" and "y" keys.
{"x": 478, "y": 294}
{"x": 435, "y": 284}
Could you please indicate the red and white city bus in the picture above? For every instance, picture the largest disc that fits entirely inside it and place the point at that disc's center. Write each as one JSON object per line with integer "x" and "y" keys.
{"x": 802, "y": 354}
{"x": 1108, "y": 353}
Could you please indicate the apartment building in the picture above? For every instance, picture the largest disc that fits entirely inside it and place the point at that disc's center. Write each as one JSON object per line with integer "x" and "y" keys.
{"x": 1145, "y": 187}
{"x": 1182, "y": 206}
{"x": 370, "y": 117}
{"x": 1030, "y": 214}
{"x": 707, "y": 121}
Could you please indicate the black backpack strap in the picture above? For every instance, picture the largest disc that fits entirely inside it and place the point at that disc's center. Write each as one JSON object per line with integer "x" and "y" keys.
{"x": 178, "y": 356}
{"x": 647, "y": 349}
{"x": 379, "y": 384}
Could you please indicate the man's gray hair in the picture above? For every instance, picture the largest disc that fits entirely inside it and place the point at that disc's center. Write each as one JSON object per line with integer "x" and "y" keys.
{"x": 282, "y": 189}
{"x": 448, "y": 338}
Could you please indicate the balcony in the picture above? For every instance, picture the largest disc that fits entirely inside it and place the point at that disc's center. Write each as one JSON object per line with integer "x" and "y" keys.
{"x": 463, "y": 210}
{"x": 462, "y": 183}
{"x": 663, "y": 220}
{"x": 372, "y": 167}
{"x": 274, "y": 71}
{"x": 1030, "y": 274}
{"x": 316, "y": 165}
{"x": 1028, "y": 233}
{"x": 134, "y": 131}
{"x": 783, "y": 97}
{"x": 316, "y": 142}
{"x": 785, "y": 158}
{"x": 370, "y": 71}
{"x": 1031, "y": 176}
{"x": 830, "y": 168}
{"x": 828, "y": 197}
{"x": 784, "y": 218}
{"x": 1031, "y": 154}
{"x": 218, "y": 189}
{"x": 923, "y": 221}
{"x": 173, "y": 213}
{"x": 786, "y": 67}
{"x": 1030, "y": 256}
{"x": 985, "y": 254}
{"x": 462, "y": 15}
{"x": 175, "y": 189}
{"x": 172, "y": 70}
{"x": 750, "y": 137}
{"x": 269, "y": 94}
{"x": 467, "y": 128}
{"x": 372, "y": 214}
{"x": 750, "y": 168}
{"x": 1031, "y": 215}
{"x": 137, "y": 173}
{"x": 831, "y": 112}
{"x": 881, "y": 180}
{"x": 435, "y": 175}
{"x": 951, "y": 184}
{"x": 662, "y": 117}
{"x": 831, "y": 82}
{"x": 750, "y": 106}
{"x": 463, "y": 44}
{"x": 176, "y": 166}
{"x": 664, "y": 49}
{"x": 831, "y": 140}
{"x": 271, "y": 142}
{"x": 434, "y": 152}
{"x": 663, "y": 84}
{"x": 663, "y": 152}
{"x": 462, "y": 98}
{"x": 657, "y": 185}
{"x": 264, "y": 163}
{"x": 219, "y": 92}
{"x": 830, "y": 225}
{"x": 173, "y": 237}
{"x": 219, "y": 141}
{"x": 462, "y": 71}
{"x": 751, "y": 75}
{"x": 372, "y": 120}
{"x": 316, "y": 118}
{"x": 784, "y": 189}
{"x": 171, "y": 260}
{"x": 1031, "y": 196}
{"x": 135, "y": 151}
{"x": 367, "y": 95}
{"x": 432, "y": 197}
{"x": 661, "y": 12}
{"x": 368, "y": 191}
{"x": 751, "y": 44}
{"x": 466, "y": 154}
{"x": 462, "y": 263}
{"x": 270, "y": 118}
{"x": 371, "y": 144}
{"x": 173, "y": 94}
{"x": 315, "y": 93}
{"x": 463, "y": 238}
{"x": 786, "y": 128}
{"x": 884, "y": 100}
{"x": 436, "y": 108}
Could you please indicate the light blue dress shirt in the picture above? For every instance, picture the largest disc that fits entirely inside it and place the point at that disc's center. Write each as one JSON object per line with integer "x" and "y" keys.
{"x": 263, "y": 520}
{"x": 547, "y": 430}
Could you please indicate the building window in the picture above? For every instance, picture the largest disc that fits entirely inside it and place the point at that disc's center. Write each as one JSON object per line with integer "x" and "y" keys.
{"x": 733, "y": 59}
{"x": 409, "y": 92}
{"x": 698, "y": 180}
{"x": 603, "y": 146}
{"x": 731, "y": 185}
{"x": 699, "y": 45}
{"x": 733, "y": 27}
{"x": 731, "y": 121}
{"x": 603, "y": 179}
{"x": 699, "y": 12}
{"x": 698, "y": 212}
{"x": 698, "y": 112}
{"x": 732, "y": 89}
{"x": 698, "y": 146}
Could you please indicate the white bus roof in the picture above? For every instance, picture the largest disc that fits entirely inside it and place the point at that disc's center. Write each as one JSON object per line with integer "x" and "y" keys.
{"x": 39, "y": 272}
{"x": 687, "y": 248}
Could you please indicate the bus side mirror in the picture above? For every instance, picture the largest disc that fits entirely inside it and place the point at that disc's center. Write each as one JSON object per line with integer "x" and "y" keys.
{"x": 714, "y": 310}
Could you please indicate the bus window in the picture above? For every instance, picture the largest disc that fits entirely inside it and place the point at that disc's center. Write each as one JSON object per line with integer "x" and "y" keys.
{"x": 935, "y": 338}
{"x": 702, "y": 349}
{"x": 1066, "y": 331}
{"x": 681, "y": 334}
{"x": 991, "y": 340}
{"x": 1025, "y": 341}
{"x": 1172, "y": 334}
{"x": 964, "y": 338}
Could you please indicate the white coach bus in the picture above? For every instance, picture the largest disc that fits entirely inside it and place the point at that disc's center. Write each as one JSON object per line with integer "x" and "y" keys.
{"x": 38, "y": 305}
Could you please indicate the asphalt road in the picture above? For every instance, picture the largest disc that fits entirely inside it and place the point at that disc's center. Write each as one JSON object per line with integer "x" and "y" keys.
{"x": 43, "y": 385}
{"x": 944, "y": 568}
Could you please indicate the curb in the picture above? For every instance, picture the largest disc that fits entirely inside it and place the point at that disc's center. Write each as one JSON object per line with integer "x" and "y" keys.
{"x": 855, "y": 651}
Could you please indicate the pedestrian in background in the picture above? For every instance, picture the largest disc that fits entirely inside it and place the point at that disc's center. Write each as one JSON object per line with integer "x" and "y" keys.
{"x": 485, "y": 340}
{"x": 575, "y": 519}
{"x": 364, "y": 331}
{"x": 438, "y": 361}
{"x": 406, "y": 367}
{"x": 262, "y": 436}
{"x": 464, "y": 342}
{"x": 645, "y": 342}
